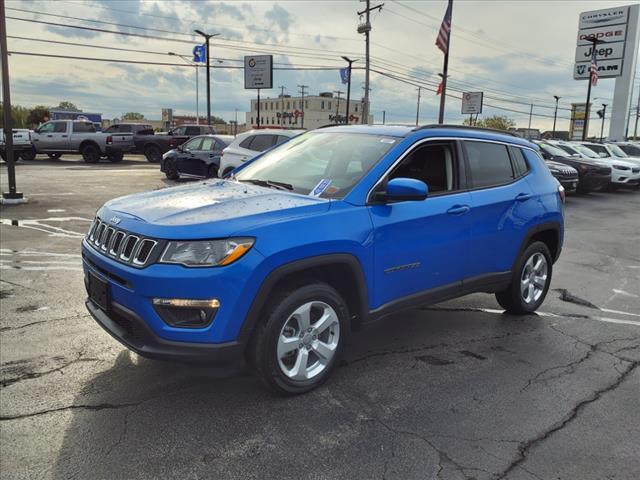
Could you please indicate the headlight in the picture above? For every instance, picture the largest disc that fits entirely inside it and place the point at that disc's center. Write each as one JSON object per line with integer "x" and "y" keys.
{"x": 206, "y": 253}
{"x": 620, "y": 167}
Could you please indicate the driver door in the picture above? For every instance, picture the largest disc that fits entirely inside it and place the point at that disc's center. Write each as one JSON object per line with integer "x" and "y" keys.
{"x": 187, "y": 159}
{"x": 421, "y": 247}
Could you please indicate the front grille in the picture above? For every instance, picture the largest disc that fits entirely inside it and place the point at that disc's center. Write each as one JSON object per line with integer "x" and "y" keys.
{"x": 635, "y": 170}
{"x": 121, "y": 245}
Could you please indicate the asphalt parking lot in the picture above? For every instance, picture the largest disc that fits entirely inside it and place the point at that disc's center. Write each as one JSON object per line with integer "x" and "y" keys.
{"x": 458, "y": 390}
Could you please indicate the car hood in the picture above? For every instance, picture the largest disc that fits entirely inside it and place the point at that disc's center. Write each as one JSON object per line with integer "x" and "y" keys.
{"x": 560, "y": 167}
{"x": 210, "y": 209}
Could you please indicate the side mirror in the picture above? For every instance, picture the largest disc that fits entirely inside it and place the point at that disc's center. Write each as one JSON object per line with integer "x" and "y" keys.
{"x": 403, "y": 189}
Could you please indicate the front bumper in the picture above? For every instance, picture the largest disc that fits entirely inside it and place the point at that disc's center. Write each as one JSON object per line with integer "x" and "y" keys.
{"x": 129, "y": 329}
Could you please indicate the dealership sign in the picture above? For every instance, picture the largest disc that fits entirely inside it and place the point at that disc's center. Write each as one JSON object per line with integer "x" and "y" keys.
{"x": 609, "y": 51}
{"x": 616, "y": 33}
{"x": 606, "y": 69}
{"x": 472, "y": 103}
{"x": 604, "y": 17}
{"x": 258, "y": 71}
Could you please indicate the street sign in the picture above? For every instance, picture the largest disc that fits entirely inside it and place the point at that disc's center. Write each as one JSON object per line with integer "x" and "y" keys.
{"x": 577, "y": 125}
{"x": 609, "y": 51}
{"x": 615, "y": 33}
{"x": 472, "y": 103}
{"x": 344, "y": 75}
{"x": 200, "y": 54}
{"x": 606, "y": 69}
{"x": 258, "y": 71}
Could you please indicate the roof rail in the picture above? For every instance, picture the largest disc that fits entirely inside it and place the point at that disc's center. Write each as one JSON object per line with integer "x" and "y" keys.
{"x": 332, "y": 125}
{"x": 466, "y": 127}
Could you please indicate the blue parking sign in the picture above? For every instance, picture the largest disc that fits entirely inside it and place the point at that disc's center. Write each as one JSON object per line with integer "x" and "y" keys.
{"x": 344, "y": 75}
{"x": 200, "y": 53}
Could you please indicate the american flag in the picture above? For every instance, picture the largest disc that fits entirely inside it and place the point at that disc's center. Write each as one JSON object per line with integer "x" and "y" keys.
{"x": 593, "y": 68}
{"x": 442, "y": 42}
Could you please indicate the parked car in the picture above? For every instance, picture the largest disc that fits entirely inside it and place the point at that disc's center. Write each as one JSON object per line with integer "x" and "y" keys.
{"x": 593, "y": 175}
{"x": 313, "y": 239}
{"x": 58, "y": 137}
{"x": 567, "y": 176}
{"x": 630, "y": 148}
{"x": 625, "y": 171}
{"x": 154, "y": 146}
{"x": 22, "y": 146}
{"x": 249, "y": 144}
{"x": 198, "y": 157}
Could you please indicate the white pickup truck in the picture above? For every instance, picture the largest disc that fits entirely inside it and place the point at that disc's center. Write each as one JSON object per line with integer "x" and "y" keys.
{"x": 22, "y": 146}
{"x": 58, "y": 137}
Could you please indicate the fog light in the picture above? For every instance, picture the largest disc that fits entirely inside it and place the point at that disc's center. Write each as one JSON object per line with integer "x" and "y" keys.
{"x": 186, "y": 313}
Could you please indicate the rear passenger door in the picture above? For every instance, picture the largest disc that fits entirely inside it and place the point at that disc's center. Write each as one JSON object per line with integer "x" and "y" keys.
{"x": 188, "y": 157}
{"x": 503, "y": 205}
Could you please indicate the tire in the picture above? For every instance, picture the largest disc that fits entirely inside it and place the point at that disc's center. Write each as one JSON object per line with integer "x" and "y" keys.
{"x": 28, "y": 155}
{"x": 524, "y": 296}
{"x": 227, "y": 171}
{"x": 54, "y": 156}
{"x": 282, "y": 319}
{"x": 212, "y": 171}
{"x": 115, "y": 157}
{"x": 153, "y": 153}
{"x": 171, "y": 171}
{"x": 90, "y": 153}
{"x": 612, "y": 187}
{"x": 3, "y": 156}
{"x": 16, "y": 156}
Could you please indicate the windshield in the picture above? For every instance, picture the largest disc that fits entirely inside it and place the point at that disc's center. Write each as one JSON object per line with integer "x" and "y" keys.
{"x": 586, "y": 151}
{"x": 617, "y": 151}
{"x": 322, "y": 164}
{"x": 553, "y": 150}
{"x": 600, "y": 150}
{"x": 631, "y": 150}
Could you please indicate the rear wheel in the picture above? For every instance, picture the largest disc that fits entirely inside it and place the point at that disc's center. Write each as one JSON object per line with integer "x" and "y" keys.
{"x": 90, "y": 153}
{"x": 530, "y": 281}
{"x": 153, "y": 153}
{"x": 54, "y": 156}
{"x": 299, "y": 338}
{"x": 29, "y": 154}
{"x": 170, "y": 170}
{"x": 212, "y": 171}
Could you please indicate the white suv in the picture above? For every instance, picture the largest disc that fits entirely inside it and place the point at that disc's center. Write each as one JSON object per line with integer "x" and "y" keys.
{"x": 249, "y": 144}
{"x": 625, "y": 172}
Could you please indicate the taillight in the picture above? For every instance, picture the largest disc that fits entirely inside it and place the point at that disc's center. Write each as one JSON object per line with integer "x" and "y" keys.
{"x": 109, "y": 140}
{"x": 562, "y": 193}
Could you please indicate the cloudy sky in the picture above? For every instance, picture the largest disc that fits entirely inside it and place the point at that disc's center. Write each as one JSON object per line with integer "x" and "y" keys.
{"x": 517, "y": 52}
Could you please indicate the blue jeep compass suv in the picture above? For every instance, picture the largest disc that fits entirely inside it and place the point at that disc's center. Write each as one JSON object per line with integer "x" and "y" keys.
{"x": 338, "y": 227}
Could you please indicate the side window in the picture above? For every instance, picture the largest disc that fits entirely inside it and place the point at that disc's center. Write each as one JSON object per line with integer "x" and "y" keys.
{"x": 61, "y": 127}
{"x": 207, "y": 143}
{"x": 193, "y": 144}
{"x": 434, "y": 164}
{"x": 125, "y": 128}
{"x": 519, "y": 162}
{"x": 261, "y": 143}
{"x": 489, "y": 163}
{"x": 179, "y": 131}
{"x": 246, "y": 142}
{"x": 79, "y": 127}
{"x": 46, "y": 128}
{"x": 193, "y": 131}
{"x": 113, "y": 129}
{"x": 281, "y": 139}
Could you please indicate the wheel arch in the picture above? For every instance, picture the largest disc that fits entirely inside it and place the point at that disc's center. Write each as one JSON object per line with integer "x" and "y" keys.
{"x": 549, "y": 233}
{"x": 86, "y": 143}
{"x": 342, "y": 271}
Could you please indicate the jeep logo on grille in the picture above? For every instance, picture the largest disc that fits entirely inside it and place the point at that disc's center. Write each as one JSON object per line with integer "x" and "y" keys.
{"x": 115, "y": 220}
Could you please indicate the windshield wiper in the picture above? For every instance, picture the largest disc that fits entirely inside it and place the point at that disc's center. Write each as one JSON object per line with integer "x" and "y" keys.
{"x": 269, "y": 183}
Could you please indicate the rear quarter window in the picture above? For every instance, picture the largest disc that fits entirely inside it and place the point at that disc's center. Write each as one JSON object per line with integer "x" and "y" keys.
{"x": 246, "y": 142}
{"x": 82, "y": 127}
{"x": 519, "y": 161}
{"x": 260, "y": 143}
{"x": 489, "y": 164}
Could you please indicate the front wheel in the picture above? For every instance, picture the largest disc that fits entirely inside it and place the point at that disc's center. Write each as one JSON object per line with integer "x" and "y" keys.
{"x": 29, "y": 154}
{"x": 153, "y": 153}
{"x": 212, "y": 171}
{"x": 530, "y": 281}
{"x": 299, "y": 339}
{"x": 171, "y": 171}
{"x": 115, "y": 157}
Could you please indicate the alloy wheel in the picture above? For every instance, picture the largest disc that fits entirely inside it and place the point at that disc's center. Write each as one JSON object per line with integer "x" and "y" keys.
{"x": 534, "y": 278}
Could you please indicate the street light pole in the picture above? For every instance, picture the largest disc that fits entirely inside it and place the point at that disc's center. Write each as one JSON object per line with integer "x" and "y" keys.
{"x": 555, "y": 115}
{"x": 604, "y": 113}
{"x": 207, "y": 37}
{"x": 594, "y": 41}
{"x": 418, "y": 107}
{"x": 350, "y": 62}
{"x": 302, "y": 88}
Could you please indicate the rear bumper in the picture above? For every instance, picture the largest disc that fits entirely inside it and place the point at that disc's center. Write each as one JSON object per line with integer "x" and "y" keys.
{"x": 130, "y": 330}
{"x": 110, "y": 149}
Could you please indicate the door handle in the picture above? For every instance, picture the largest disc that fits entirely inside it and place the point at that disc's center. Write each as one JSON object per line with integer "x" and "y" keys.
{"x": 49, "y": 136}
{"x": 521, "y": 197}
{"x": 458, "y": 210}
{"x": 63, "y": 136}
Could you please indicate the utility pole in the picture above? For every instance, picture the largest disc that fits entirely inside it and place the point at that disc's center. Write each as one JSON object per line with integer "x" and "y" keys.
{"x": 384, "y": 114}
{"x": 350, "y": 62}
{"x": 235, "y": 124}
{"x": 555, "y": 115}
{"x": 635, "y": 129}
{"x": 185, "y": 59}
{"x": 207, "y": 37}
{"x": 302, "y": 88}
{"x": 282, "y": 89}
{"x": 12, "y": 196}
{"x": 604, "y": 113}
{"x": 338, "y": 93}
{"x": 418, "y": 106}
{"x": 529, "y": 129}
{"x": 258, "y": 106}
{"x": 366, "y": 29}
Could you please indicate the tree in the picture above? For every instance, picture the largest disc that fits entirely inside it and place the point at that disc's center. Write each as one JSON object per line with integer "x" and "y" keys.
{"x": 217, "y": 120}
{"x": 132, "y": 116}
{"x": 38, "y": 114}
{"x": 496, "y": 122}
{"x": 18, "y": 116}
{"x": 64, "y": 105}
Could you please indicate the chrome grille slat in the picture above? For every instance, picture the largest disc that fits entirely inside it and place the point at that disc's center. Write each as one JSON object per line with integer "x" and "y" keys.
{"x": 119, "y": 244}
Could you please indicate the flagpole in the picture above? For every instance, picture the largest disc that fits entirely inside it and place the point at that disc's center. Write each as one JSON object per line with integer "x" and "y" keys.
{"x": 594, "y": 41}
{"x": 445, "y": 69}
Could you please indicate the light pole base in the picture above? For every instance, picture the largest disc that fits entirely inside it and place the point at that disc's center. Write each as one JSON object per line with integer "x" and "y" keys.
{"x": 14, "y": 198}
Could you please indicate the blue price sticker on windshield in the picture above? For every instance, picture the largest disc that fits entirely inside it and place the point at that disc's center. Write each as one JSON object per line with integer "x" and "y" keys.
{"x": 320, "y": 187}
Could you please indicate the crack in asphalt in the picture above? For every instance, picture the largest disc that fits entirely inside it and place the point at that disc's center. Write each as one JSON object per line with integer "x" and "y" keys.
{"x": 20, "y": 327}
{"x": 570, "y": 367}
{"x": 5, "y": 382}
{"x": 96, "y": 407}
{"x": 123, "y": 433}
{"x": 525, "y": 447}
{"x": 567, "y": 296}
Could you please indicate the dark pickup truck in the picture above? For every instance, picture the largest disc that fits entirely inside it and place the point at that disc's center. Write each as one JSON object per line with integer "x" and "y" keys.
{"x": 154, "y": 145}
